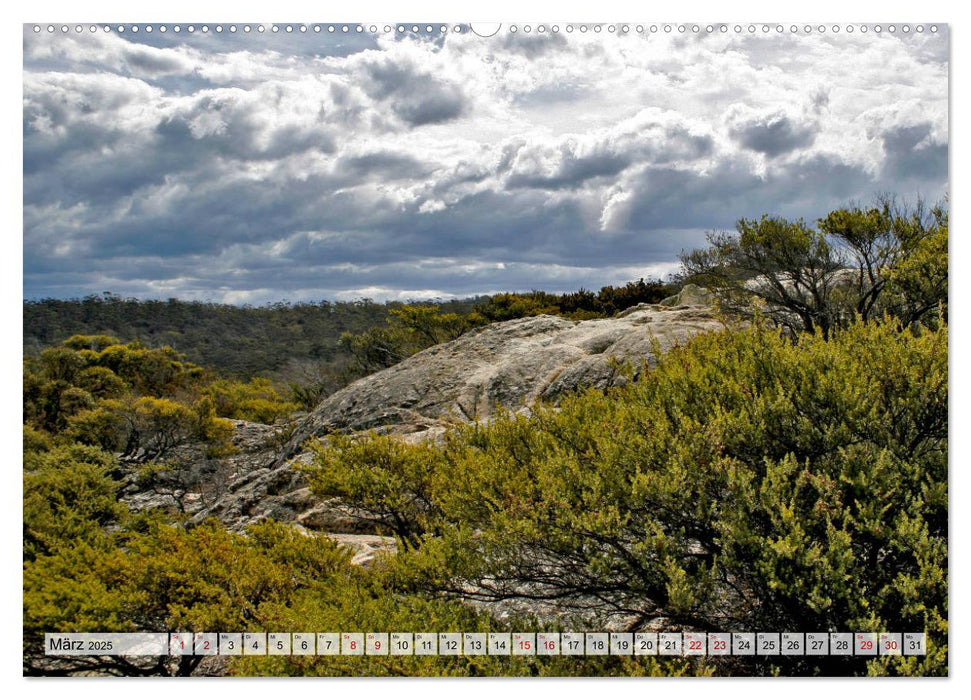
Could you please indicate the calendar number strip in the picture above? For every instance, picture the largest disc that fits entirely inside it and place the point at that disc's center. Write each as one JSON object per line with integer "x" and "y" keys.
{"x": 763, "y": 644}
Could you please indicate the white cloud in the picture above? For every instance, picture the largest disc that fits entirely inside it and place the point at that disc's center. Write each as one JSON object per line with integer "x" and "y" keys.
{"x": 273, "y": 160}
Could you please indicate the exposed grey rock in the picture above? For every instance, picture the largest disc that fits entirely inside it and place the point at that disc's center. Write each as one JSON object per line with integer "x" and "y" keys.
{"x": 512, "y": 364}
{"x": 332, "y": 516}
{"x": 191, "y": 482}
{"x": 690, "y": 295}
{"x": 365, "y": 547}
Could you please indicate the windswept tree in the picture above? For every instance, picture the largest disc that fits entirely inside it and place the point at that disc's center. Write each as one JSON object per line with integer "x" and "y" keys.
{"x": 855, "y": 262}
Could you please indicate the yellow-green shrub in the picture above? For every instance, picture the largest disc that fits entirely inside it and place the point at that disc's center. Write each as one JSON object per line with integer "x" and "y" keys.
{"x": 256, "y": 400}
{"x": 746, "y": 483}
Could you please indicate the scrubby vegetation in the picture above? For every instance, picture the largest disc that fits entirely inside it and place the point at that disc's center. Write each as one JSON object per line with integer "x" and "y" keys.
{"x": 138, "y": 402}
{"x": 748, "y": 483}
{"x": 91, "y": 565}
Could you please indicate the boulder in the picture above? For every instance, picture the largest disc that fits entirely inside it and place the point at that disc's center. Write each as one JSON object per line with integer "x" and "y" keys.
{"x": 512, "y": 364}
{"x": 690, "y": 295}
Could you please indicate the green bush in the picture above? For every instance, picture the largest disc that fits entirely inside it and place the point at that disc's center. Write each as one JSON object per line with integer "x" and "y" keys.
{"x": 855, "y": 263}
{"x": 746, "y": 483}
{"x": 256, "y": 400}
{"x": 388, "y": 478}
{"x": 70, "y": 495}
{"x": 169, "y": 578}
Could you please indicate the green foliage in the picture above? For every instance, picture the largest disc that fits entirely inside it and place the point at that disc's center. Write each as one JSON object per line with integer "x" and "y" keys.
{"x": 104, "y": 426}
{"x": 365, "y": 603}
{"x": 36, "y": 440}
{"x": 373, "y": 350}
{"x": 412, "y": 328}
{"x": 508, "y": 306}
{"x": 427, "y": 325}
{"x": 577, "y": 305}
{"x": 918, "y": 282}
{"x": 95, "y": 343}
{"x": 147, "y": 371}
{"x": 101, "y": 383}
{"x": 69, "y": 497}
{"x": 751, "y": 481}
{"x": 217, "y": 432}
{"x": 158, "y": 425}
{"x": 612, "y": 300}
{"x": 822, "y": 278}
{"x": 65, "y": 380}
{"x": 409, "y": 329}
{"x": 257, "y": 400}
{"x": 314, "y": 349}
{"x": 236, "y": 341}
{"x": 169, "y": 578}
{"x": 746, "y": 483}
{"x": 388, "y": 478}
{"x": 135, "y": 401}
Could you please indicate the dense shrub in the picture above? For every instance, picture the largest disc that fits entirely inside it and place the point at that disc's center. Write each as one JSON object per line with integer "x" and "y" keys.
{"x": 746, "y": 483}
{"x": 256, "y": 400}
{"x": 69, "y": 497}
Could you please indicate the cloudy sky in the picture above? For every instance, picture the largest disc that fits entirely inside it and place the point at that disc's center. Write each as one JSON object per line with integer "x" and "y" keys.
{"x": 249, "y": 168}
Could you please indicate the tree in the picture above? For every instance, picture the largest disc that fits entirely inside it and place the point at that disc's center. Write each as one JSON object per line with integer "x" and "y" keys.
{"x": 918, "y": 282}
{"x": 821, "y": 278}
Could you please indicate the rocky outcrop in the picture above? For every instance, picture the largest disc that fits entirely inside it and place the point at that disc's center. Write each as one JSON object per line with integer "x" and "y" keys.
{"x": 690, "y": 295}
{"x": 512, "y": 364}
{"x": 196, "y": 484}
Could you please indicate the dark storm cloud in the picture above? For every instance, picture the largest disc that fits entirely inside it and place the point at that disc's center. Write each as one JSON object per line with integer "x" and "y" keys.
{"x": 572, "y": 171}
{"x": 253, "y": 168}
{"x": 570, "y": 163}
{"x": 731, "y": 191}
{"x": 438, "y": 104}
{"x": 417, "y": 97}
{"x": 913, "y": 153}
{"x": 385, "y": 165}
{"x": 774, "y": 135}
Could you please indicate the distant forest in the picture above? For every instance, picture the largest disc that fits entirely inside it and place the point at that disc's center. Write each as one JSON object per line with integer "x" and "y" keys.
{"x": 240, "y": 341}
{"x": 295, "y": 342}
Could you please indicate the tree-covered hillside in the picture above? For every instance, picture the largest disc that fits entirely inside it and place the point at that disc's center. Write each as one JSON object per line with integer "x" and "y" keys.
{"x": 310, "y": 349}
{"x": 235, "y": 340}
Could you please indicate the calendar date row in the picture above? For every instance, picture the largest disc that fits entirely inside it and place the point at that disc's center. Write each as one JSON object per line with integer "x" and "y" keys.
{"x": 488, "y": 643}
